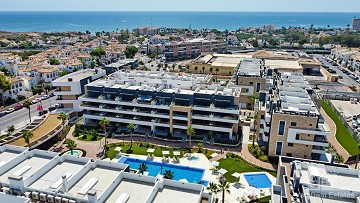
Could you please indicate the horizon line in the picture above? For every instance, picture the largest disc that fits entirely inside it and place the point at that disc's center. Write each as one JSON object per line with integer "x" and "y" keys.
{"x": 181, "y": 11}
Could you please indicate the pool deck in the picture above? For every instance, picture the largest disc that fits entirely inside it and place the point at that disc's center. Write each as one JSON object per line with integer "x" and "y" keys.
{"x": 203, "y": 163}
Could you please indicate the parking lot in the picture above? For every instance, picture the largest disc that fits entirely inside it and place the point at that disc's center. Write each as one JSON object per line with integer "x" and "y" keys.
{"x": 346, "y": 107}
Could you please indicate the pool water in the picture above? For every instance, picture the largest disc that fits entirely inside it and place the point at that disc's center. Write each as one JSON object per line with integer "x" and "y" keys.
{"x": 191, "y": 174}
{"x": 258, "y": 180}
{"x": 75, "y": 153}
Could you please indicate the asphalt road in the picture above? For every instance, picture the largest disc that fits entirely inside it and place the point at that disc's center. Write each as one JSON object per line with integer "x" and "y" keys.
{"x": 346, "y": 79}
{"x": 23, "y": 114}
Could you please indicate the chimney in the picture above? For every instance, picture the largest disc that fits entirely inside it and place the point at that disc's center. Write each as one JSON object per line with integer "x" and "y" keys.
{"x": 92, "y": 197}
{"x": 64, "y": 183}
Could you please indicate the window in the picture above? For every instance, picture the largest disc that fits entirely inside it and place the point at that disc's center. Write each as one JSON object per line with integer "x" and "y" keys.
{"x": 278, "y": 149}
{"x": 293, "y": 123}
{"x": 290, "y": 144}
{"x": 281, "y": 129}
{"x": 258, "y": 87}
{"x": 251, "y": 83}
{"x": 262, "y": 117}
{"x": 307, "y": 145}
{"x": 288, "y": 154}
{"x": 297, "y": 137}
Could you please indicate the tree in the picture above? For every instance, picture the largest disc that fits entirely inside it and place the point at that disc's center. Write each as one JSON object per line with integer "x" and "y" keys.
{"x": 223, "y": 187}
{"x": 27, "y": 104}
{"x": 190, "y": 132}
{"x": 256, "y": 117}
{"x": 173, "y": 67}
{"x": 211, "y": 70}
{"x": 213, "y": 187}
{"x": 47, "y": 88}
{"x": 169, "y": 174}
{"x": 63, "y": 117}
{"x": 54, "y": 61}
{"x": 217, "y": 70}
{"x": 70, "y": 145}
{"x": 27, "y": 135}
{"x": 203, "y": 69}
{"x": 10, "y": 129}
{"x": 103, "y": 123}
{"x": 130, "y": 51}
{"x": 252, "y": 99}
{"x": 131, "y": 128}
{"x": 94, "y": 134}
{"x": 142, "y": 168}
{"x": 63, "y": 72}
{"x": 4, "y": 70}
{"x": 196, "y": 68}
{"x": 98, "y": 52}
{"x": 5, "y": 85}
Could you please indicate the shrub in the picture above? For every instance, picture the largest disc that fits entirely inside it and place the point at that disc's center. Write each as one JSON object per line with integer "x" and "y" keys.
{"x": 84, "y": 137}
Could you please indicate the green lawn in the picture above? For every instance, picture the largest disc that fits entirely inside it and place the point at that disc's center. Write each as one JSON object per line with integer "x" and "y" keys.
{"x": 89, "y": 138}
{"x": 264, "y": 199}
{"x": 343, "y": 136}
{"x": 233, "y": 165}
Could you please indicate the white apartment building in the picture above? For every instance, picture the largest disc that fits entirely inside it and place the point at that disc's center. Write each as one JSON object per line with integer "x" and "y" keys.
{"x": 44, "y": 176}
{"x": 71, "y": 86}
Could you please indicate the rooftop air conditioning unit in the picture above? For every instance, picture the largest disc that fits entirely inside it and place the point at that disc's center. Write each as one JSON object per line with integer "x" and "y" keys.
{"x": 65, "y": 200}
{"x": 27, "y": 194}
{"x": 35, "y": 195}
{"x": 72, "y": 201}
{"x": 7, "y": 190}
{"x": 43, "y": 197}
{"x": 50, "y": 199}
{"x": 58, "y": 199}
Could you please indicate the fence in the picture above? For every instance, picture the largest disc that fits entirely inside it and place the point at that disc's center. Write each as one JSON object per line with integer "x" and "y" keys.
{"x": 351, "y": 131}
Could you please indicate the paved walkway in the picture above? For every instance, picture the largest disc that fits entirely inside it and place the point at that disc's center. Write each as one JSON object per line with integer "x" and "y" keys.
{"x": 332, "y": 138}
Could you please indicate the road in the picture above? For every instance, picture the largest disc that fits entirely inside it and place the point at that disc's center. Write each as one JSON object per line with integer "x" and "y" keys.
{"x": 22, "y": 115}
{"x": 345, "y": 80}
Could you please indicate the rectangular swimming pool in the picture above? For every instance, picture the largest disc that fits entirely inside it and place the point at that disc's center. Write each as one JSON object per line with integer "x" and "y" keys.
{"x": 258, "y": 180}
{"x": 191, "y": 174}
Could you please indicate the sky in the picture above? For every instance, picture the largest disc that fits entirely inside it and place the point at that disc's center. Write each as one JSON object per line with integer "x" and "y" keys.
{"x": 182, "y": 5}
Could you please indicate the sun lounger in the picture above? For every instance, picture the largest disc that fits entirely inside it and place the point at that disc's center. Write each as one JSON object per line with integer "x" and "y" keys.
{"x": 123, "y": 198}
{"x": 21, "y": 171}
{"x": 91, "y": 183}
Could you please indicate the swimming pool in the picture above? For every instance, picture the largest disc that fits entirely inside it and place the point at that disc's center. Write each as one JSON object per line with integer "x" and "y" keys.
{"x": 258, "y": 180}
{"x": 191, "y": 174}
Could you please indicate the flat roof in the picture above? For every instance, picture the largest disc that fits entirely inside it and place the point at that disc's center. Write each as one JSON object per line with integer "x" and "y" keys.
{"x": 176, "y": 195}
{"x": 7, "y": 155}
{"x": 32, "y": 164}
{"x": 138, "y": 190}
{"x": 282, "y": 64}
{"x": 315, "y": 199}
{"x": 78, "y": 75}
{"x": 55, "y": 174}
{"x": 104, "y": 175}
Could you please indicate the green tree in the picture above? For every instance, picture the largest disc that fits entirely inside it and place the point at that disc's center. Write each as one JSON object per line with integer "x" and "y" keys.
{"x": 190, "y": 132}
{"x": 98, "y": 52}
{"x": 130, "y": 51}
{"x": 196, "y": 68}
{"x": 27, "y": 104}
{"x": 54, "y": 61}
{"x": 5, "y": 85}
{"x": 27, "y": 135}
{"x": 131, "y": 128}
{"x": 10, "y": 129}
{"x": 63, "y": 117}
{"x": 47, "y": 88}
{"x": 70, "y": 145}
{"x": 63, "y": 72}
{"x": 211, "y": 70}
{"x": 4, "y": 70}
{"x": 223, "y": 187}
{"x": 203, "y": 69}
{"x": 213, "y": 187}
{"x": 169, "y": 174}
{"x": 142, "y": 168}
{"x": 94, "y": 134}
{"x": 252, "y": 99}
{"x": 103, "y": 123}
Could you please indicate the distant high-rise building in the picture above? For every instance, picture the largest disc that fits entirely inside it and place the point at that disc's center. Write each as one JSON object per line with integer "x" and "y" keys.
{"x": 356, "y": 23}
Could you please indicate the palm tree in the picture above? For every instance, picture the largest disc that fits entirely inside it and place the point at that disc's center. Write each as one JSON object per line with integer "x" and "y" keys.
{"x": 211, "y": 70}
{"x": 142, "y": 168}
{"x": 213, "y": 187}
{"x": 195, "y": 69}
{"x": 223, "y": 187}
{"x": 47, "y": 88}
{"x": 131, "y": 128}
{"x": 103, "y": 123}
{"x": 70, "y": 145}
{"x": 190, "y": 132}
{"x": 256, "y": 117}
{"x": 173, "y": 67}
{"x": 203, "y": 69}
{"x": 252, "y": 99}
{"x": 27, "y": 104}
{"x": 169, "y": 174}
{"x": 63, "y": 117}
{"x": 216, "y": 71}
{"x": 27, "y": 135}
{"x": 10, "y": 129}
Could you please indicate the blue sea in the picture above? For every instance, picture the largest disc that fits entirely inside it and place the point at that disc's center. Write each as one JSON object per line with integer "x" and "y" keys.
{"x": 111, "y": 21}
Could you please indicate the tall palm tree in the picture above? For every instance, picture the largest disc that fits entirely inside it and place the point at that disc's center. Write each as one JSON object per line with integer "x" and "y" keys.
{"x": 142, "y": 168}
{"x": 224, "y": 187}
{"x": 27, "y": 135}
{"x": 131, "y": 128}
{"x": 213, "y": 187}
{"x": 196, "y": 68}
{"x": 103, "y": 123}
{"x": 173, "y": 67}
{"x": 27, "y": 104}
{"x": 190, "y": 132}
{"x": 211, "y": 70}
{"x": 70, "y": 145}
{"x": 169, "y": 174}
{"x": 63, "y": 117}
{"x": 10, "y": 129}
{"x": 252, "y": 99}
{"x": 203, "y": 69}
{"x": 256, "y": 117}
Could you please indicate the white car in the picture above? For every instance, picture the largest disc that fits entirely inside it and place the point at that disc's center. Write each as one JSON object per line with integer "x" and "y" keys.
{"x": 10, "y": 110}
{"x": 44, "y": 97}
{"x": 34, "y": 101}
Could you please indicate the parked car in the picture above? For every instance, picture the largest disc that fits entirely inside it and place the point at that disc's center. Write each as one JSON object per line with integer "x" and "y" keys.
{"x": 45, "y": 97}
{"x": 341, "y": 77}
{"x": 51, "y": 94}
{"x": 9, "y": 110}
{"x": 18, "y": 106}
{"x": 34, "y": 101}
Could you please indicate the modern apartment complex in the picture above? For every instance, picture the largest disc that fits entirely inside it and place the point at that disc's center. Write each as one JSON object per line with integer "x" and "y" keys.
{"x": 356, "y": 23}
{"x": 71, "y": 86}
{"x": 290, "y": 121}
{"x": 310, "y": 181}
{"x": 164, "y": 104}
{"x": 44, "y": 176}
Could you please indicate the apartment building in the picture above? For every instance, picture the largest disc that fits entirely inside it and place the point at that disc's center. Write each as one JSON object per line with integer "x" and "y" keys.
{"x": 309, "y": 181}
{"x": 45, "y": 176}
{"x": 291, "y": 122}
{"x": 71, "y": 86}
{"x": 164, "y": 104}
{"x": 356, "y": 23}
{"x": 17, "y": 88}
